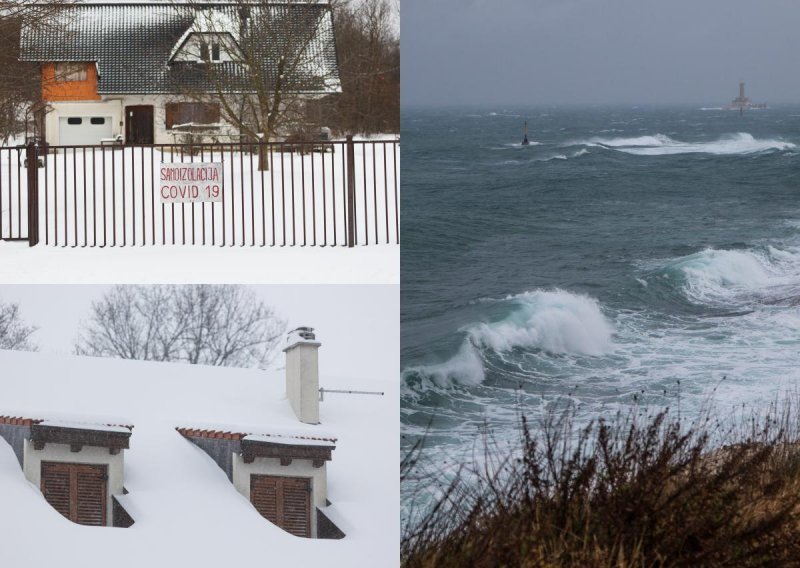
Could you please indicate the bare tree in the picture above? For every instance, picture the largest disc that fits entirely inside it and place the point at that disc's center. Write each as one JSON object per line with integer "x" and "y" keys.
{"x": 260, "y": 62}
{"x": 198, "y": 324}
{"x": 20, "y": 82}
{"x": 368, "y": 46}
{"x": 14, "y": 332}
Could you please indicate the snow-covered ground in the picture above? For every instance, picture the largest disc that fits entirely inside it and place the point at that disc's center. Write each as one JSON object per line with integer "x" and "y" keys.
{"x": 186, "y": 511}
{"x": 20, "y": 264}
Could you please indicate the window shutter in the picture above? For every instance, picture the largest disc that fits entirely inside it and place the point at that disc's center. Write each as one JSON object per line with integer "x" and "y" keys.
{"x": 55, "y": 486}
{"x": 91, "y": 495}
{"x": 284, "y": 501}
{"x": 264, "y": 495}
{"x": 297, "y": 506}
{"x": 171, "y": 111}
{"x": 77, "y": 491}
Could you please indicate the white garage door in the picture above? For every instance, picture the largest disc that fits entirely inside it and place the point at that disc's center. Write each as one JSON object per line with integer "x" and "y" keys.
{"x": 83, "y": 130}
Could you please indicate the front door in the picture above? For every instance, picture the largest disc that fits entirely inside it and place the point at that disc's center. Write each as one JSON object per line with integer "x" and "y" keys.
{"x": 139, "y": 125}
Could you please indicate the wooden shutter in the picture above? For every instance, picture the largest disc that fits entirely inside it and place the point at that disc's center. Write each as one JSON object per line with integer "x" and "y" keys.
{"x": 172, "y": 111}
{"x": 56, "y": 486}
{"x": 91, "y": 491}
{"x": 284, "y": 501}
{"x": 297, "y": 506}
{"x": 77, "y": 491}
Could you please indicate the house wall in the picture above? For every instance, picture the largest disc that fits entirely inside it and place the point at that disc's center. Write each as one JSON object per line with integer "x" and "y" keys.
{"x": 32, "y": 466}
{"x": 114, "y": 106}
{"x": 16, "y": 435}
{"x": 57, "y": 90}
{"x": 272, "y": 466}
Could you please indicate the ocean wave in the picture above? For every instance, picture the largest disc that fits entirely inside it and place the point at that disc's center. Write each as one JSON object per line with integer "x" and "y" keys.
{"x": 714, "y": 275}
{"x": 577, "y": 154}
{"x": 464, "y": 368}
{"x": 660, "y": 144}
{"x": 553, "y": 321}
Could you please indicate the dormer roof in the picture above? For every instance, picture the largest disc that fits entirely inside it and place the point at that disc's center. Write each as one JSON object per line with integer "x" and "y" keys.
{"x": 212, "y": 21}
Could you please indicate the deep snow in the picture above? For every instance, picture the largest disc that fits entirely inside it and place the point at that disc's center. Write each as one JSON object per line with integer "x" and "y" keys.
{"x": 187, "y": 513}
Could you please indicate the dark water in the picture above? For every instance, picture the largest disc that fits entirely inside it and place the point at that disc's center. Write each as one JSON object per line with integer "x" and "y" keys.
{"x": 624, "y": 251}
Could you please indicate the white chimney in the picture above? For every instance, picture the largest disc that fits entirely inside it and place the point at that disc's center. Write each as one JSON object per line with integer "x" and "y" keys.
{"x": 302, "y": 374}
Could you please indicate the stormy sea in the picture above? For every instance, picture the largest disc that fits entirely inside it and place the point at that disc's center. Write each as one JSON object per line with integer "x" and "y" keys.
{"x": 626, "y": 257}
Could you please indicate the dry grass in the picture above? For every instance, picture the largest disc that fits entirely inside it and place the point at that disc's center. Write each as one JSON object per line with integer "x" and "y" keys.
{"x": 632, "y": 493}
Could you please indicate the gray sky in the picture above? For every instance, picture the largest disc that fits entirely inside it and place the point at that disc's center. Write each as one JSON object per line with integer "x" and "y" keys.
{"x": 604, "y": 51}
{"x": 357, "y": 325}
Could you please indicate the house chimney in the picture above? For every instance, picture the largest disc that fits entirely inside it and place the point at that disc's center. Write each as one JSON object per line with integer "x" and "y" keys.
{"x": 302, "y": 374}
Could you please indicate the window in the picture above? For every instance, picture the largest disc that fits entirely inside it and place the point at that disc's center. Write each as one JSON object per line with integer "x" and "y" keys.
{"x": 284, "y": 501}
{"x": 98, "y": 120}
{"x": 191, "y": 113}
{"x": 77, "y": 491}
{"x": 203, "y": 51}
{"x": 71, "y": 72}
{"x": 75, "y": 121}
{"x": 215, "y": 51}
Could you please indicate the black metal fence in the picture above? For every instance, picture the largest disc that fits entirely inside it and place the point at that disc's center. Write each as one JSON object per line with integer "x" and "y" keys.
{"x": 341, "y": 193}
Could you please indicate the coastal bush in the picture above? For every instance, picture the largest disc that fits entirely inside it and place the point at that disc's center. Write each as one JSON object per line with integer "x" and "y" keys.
{"x": 639, "y": 490}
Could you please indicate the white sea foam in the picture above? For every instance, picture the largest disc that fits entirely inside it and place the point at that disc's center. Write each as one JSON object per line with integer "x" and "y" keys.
{"x": 464, "y": 368}
{"x": 660, "y": 144}
{"x": 655, "y": 140}
{"x": 555, "y": 321}
{"x": 580, "y": 152}
{"x": 716, "y": 275}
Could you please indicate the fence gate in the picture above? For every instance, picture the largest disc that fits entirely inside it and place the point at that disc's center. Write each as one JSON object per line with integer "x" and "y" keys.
{"x": 17, "y": 219}
{"x": 342, "y": 193}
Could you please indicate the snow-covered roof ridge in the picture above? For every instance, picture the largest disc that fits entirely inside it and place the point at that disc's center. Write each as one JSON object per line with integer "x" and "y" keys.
{"x": 290, "y": 440}
{"x": 279, "y": 435}
{"x": 26, "y": 420}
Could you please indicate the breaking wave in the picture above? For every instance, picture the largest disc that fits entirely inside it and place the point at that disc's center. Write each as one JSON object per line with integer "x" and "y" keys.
{"x": 660, "y": 144}
{"x": 555, "y": 322}
{"x": 715, "y": 276}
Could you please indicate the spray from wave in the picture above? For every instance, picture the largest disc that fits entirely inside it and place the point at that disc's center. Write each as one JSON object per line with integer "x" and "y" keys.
{"x": 555, "y": 322}
{"x": 660, "y": 145}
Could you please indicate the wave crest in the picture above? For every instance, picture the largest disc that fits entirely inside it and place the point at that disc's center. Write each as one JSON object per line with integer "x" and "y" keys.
{"x": 556, "y": 322}
{"x": 660, "y": 144}
{"x": 713, "y": 275}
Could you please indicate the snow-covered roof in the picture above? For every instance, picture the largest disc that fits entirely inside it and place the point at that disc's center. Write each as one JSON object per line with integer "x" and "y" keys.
{"x": 133, "y": 44}
{"x": 186, "y": 510}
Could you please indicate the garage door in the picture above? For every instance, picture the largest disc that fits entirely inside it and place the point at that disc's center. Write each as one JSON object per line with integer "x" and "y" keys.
{"x": 77, "y": 491}
{"x": 284, "y": 501}
{"x": 84, "y": 130}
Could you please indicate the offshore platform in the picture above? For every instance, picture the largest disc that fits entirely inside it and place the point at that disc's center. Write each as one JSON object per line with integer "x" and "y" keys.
{"x": 743, "y": 103}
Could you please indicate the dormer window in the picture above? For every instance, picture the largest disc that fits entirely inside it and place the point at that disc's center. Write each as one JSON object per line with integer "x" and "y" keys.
{"x": 211, "y": 53}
